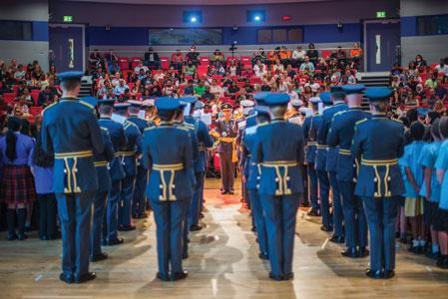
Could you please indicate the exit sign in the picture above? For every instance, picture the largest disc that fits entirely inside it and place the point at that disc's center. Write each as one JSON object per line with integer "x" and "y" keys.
{"x": 380, "y": 14}
{"x": 68, "y": 19}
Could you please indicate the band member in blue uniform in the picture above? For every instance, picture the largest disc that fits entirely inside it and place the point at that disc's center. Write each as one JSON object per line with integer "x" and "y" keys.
{"x": 70, "y": 130}
{"x": 101, "y": 162}
{"x": 337, "y": 96}
{"x": 128, "y": 156}
{"x": 379, "y": 142}
{"x": 139, "y": 201}
{"x": 310, "y": 126}
{"x": 320, "y": 166}
{"x": 341, "y": 135}
{"x": 185, "y": 103}
{"x": 204, "y": 141}
{"x": 225, "y": 128}
{"x": 167, "y": 153}
{"x": 251, "y": 171}
{"x": 280, "y": 154}
{"x": 117, "y": 174}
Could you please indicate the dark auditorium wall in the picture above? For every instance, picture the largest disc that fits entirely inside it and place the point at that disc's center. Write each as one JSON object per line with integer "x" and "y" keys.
{"x": 432, "y": 46}
{"x": 35, "y": 47}
{"x": 129, "y": 24}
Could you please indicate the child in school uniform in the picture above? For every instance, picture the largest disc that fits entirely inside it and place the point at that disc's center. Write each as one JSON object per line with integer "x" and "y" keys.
{"x": 401, "y": 219}
{"x": 441, "y": 215}
{"x": 430, "y": 189}
{"x": 414, "y": 178}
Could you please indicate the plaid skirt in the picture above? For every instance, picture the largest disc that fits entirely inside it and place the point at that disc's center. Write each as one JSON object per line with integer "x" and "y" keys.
{"x": 17, "y": 185}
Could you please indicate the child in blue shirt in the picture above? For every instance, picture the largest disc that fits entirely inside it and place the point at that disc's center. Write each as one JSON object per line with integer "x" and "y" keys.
{"x": 441, "y": 218}
{"x": 414, "y": 179}
{"x": 430, "y": 188}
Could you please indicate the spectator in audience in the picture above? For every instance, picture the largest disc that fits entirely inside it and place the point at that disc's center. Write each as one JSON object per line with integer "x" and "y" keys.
{"x": 13, "y": 65}
{"x": 217, "y": 56}
{"x": 259, "y": 69}
{"x": 152, "y": 59}
{"x": 216, "y": 89}
{"x": 41, "y": 164}
{"x": 44, "y": 96}
{"x": 207, "y": 96}
{"x": 442, "y": 67}
{"x": 20, "y": 72}
{"x": 200, "y": 88}
{"x": 420, "y": 62}
{"x": 193, "y": 55}
{"x": 307, "y": 65}
{"x": 285, "y": 55}
{"x": 140, "y": 68}
{"x": 259, "y": 55}
{"x": 312, "y": 53}
{"x": 298, "y": 56}
{"x": 177, "y": 60}
{"x": 190, "y": 68}
{"x": 116, "y": 79}
{"x": 121, "y": 87}
{"x": 17, "y": 184}
{"x": 189, "y": 89}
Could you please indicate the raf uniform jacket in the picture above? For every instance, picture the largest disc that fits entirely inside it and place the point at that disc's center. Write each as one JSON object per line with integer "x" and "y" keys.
{"x": 168, "y": 154}
{"x": 341, "y": 135}
{"x": 132, "y": 149}
{"x": 251, "y": 169}
{"x": 379, "y": 143}
{"x": 327, "y": 117}
{"x": 280, "y": 153}
{"x": 116, "y": 132}
{"x": 310, "y": 128}
{"x": 102, "y": 161}
{"x": 70, "y": 130}
{"x": 204, "y": 141}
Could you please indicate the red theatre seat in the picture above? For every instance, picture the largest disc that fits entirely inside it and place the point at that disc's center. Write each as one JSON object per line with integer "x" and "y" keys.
{"x": 202, "y": 71}
{"x": 326, "y": 54}
{"x": 124, "y": 63}
{"x": 135, "y": 62}
{"x": 246, "y": 61}
{"x": 36, "y": 110}
{"x": 16, "y": 89}
{"x": 164, "y": 63}
{"x": 35, "y": 95}
{"x": 205, "y": 61}
{"x": 9, "y": 97}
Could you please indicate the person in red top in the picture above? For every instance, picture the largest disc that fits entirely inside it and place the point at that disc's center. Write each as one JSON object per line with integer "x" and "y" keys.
{"x": 177, "y": 60}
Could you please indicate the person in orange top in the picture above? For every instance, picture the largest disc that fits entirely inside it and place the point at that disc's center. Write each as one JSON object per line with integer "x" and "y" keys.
{"x": 272, "y": 57}
{"x": 285, "y": 55}
{"x": 177, "y": 59}
{"x": 356, "y": 54}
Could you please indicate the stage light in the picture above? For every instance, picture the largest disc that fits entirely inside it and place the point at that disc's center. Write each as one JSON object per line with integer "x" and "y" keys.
{"x": 192, "y": 17}
{"x": 256, "y": 16}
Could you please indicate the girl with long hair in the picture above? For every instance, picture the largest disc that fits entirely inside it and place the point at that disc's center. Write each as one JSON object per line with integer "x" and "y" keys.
{"x": 17, "y": 185}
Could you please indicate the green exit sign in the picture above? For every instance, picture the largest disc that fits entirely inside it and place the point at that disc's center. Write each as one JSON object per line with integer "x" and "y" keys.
{"x": 380, "y": 14}
{"x": 68, "y": 19}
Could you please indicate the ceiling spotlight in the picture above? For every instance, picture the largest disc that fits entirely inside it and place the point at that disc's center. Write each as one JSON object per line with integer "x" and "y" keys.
{"x": 257, "y": 18}
{"x": 193, "y": 19}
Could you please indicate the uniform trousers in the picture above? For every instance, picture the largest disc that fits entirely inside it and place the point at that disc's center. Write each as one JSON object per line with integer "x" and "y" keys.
{"x": 99, "y": 210}
{"x": 112, "y": 211}
{"x": 313, "y": 185}
{"x": 337, "y": 206}
{"x": 258, "y": 216}
{"x": 169, "y": 217}
{"x": 125, "y": 204}
{"x": 324, "y": 190}
{"x": 195, "y": 207}
{"x": 354, "y": 216}
{"x": 227, "y": 170}
{"x": 139, "y": 201}
{"x": 47, "y": 215}
{"x": 381, "y": 216}
{"x": 280, "y": 212}
{"x": 75, "y": 211}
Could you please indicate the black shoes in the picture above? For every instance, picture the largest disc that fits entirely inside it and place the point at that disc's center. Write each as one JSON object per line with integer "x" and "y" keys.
{"x": 263, "y": 256}
{"x": 363, "y": 252}
{"x": 162, "y": 277}
{"x": 22, "y": 237}
{"x": 350, "y": 252}
{"x": 117, "y": 241}
{"x": 337, "y": 239}
{"x": 326, "y": 228}
{"x": 12, "y": 237}
{"x": 374, "y": 274}
{"x": 100, "y": 257}
{"x": 380, "y": 274}
{"x": 179, "y": 276}
{"x": 313, "y": 213}
{"x": 66, "y": 279}
{"x": 287, "y": 276}
{"x": 85, "y": 277}
{"x": 196, "y": 227}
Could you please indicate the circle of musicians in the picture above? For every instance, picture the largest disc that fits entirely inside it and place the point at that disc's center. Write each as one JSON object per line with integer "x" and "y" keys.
{"x": 137, "y": 155}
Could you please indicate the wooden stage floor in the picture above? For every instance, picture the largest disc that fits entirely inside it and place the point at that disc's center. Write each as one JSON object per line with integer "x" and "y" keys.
{"x": 223, "y": 263}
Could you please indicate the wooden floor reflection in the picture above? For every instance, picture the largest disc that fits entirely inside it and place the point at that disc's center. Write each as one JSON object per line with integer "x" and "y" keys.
{"x": 223, "y": 263}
